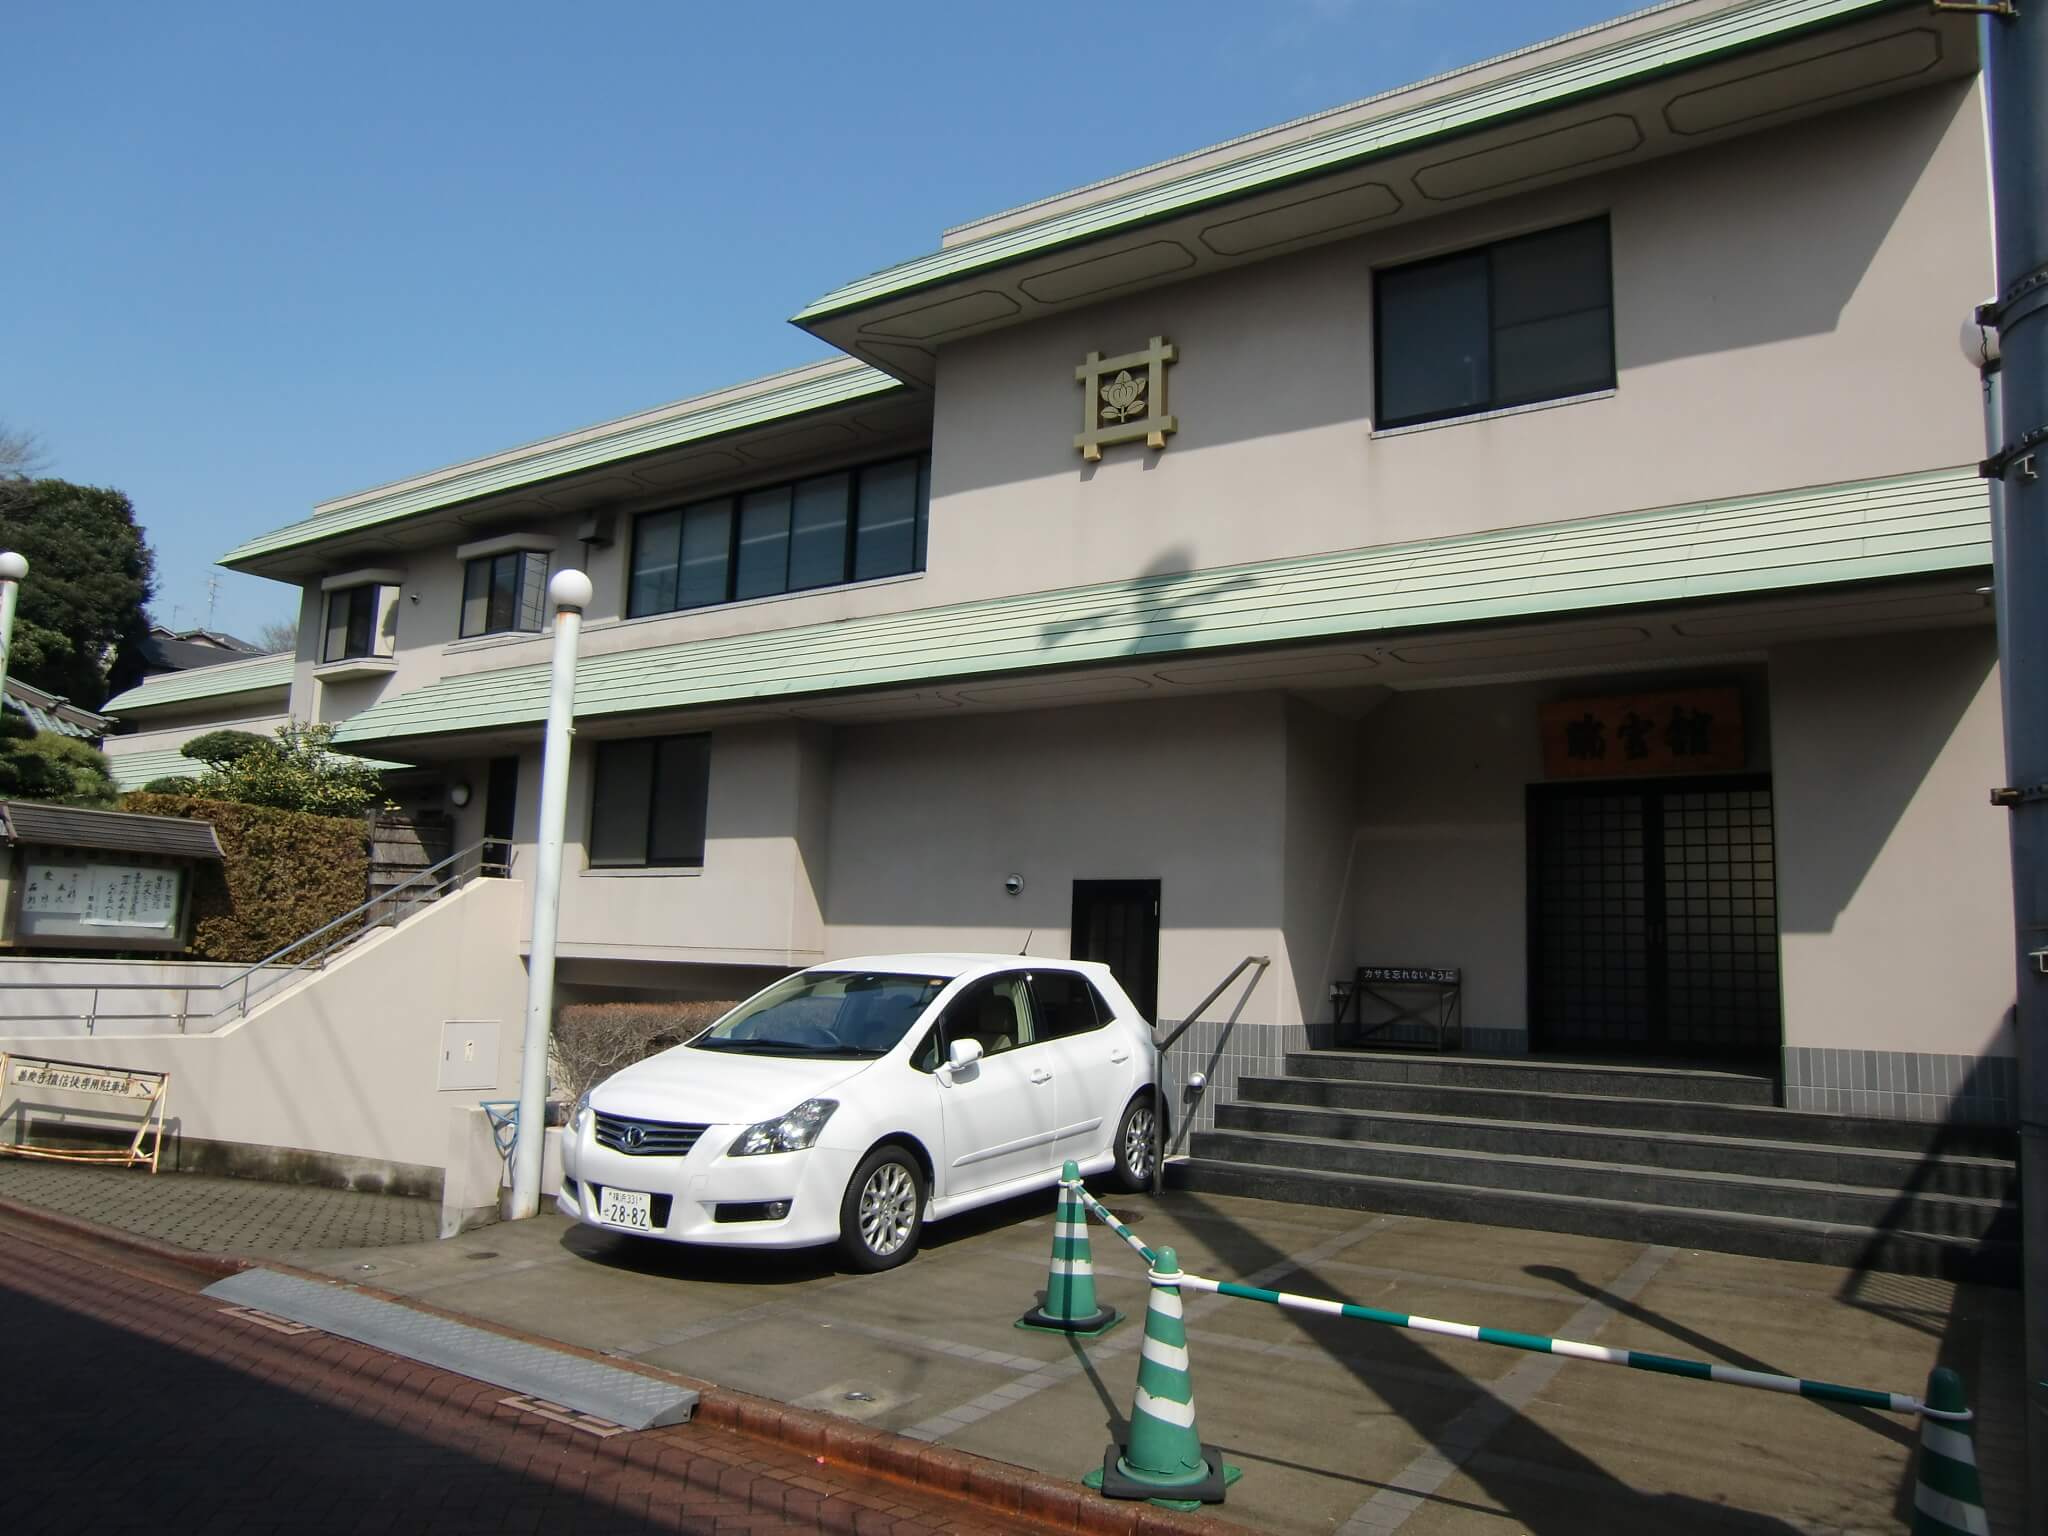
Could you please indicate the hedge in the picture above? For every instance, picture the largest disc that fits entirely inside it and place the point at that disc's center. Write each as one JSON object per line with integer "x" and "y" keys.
{"x": 286, "y": 873}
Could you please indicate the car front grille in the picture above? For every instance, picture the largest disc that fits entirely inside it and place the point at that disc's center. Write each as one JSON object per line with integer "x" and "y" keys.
{"x": 646, "y": 1138}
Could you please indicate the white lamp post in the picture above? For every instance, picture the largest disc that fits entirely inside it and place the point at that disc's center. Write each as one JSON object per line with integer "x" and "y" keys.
{"x": 570, "y": 593}
{"x": 12, "y": 569}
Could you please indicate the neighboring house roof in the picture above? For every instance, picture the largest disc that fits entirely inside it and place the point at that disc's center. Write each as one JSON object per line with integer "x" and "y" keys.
{"x": 166, "y": 650}
{"x": 50, "y": 712}
{"x": 64, "y": 826}
{"x": 777, "y": 397}
{"x": 1911, "y": 525}
{"x": 254, "y": 674}
{"x": 1575, "y": 76}
{"x": 132, "y": 770}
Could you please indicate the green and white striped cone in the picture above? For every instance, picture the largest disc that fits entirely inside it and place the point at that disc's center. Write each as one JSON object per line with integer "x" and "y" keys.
{"x": 1165, "y": 1460}
{"x": 1070, "y": 1305}
{"x": 1947, "y": 1500}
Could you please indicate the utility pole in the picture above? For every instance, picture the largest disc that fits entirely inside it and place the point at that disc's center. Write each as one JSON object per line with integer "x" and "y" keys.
{"x": 13, "y": 568}
{"x": 2017, "y": 70}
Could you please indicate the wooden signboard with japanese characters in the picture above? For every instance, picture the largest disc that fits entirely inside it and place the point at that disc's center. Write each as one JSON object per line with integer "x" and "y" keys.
{"x": 75, "y": 899}
{"x": 1636, "y": 735}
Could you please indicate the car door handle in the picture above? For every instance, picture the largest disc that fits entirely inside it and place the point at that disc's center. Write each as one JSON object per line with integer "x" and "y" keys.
{"x": 1119, "y": 1055}
{"x": 1040, "y": 1075}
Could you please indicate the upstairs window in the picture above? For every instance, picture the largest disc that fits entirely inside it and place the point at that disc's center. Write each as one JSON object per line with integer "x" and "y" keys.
{"x": 362, "y": 621}
{"x": 823, "y": 531}
{"x": 505, "y": 593}
{"x": 1513, "y": 323}
{"x": 647, "y": 803}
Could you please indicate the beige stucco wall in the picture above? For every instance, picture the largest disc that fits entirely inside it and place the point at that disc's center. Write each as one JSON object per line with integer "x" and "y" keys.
{"x": 261, "y": 719}
{"x": 928, "y": 819}
{"x": 1755, "y": 282}
{"x": 348, "y": 1063}
{"x": 1322, "y": 766}
{"x": 1894, "y": 879}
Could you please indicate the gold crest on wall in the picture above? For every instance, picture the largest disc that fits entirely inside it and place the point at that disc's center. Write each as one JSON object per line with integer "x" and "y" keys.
{"x": 1124, "y": 399}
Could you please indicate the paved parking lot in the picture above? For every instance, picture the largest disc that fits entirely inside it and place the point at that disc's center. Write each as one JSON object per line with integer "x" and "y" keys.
{"x": 1339, "y": 1426}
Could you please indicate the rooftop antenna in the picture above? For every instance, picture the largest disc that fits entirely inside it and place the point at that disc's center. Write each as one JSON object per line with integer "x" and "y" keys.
{"x": 1027, "y": 942}
{"x": 212, "y": 597}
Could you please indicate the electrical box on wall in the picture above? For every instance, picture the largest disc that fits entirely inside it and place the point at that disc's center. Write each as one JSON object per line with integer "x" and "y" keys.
{"x": 469, "y": 1054}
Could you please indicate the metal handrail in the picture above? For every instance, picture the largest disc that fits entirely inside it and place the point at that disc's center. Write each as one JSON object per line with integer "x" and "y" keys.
{"x": 1161, "y": 1047}
{"x": 428, "y": 884}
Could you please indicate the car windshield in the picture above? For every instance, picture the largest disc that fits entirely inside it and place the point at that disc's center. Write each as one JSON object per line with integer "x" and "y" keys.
{"x": 825, "y": 1013}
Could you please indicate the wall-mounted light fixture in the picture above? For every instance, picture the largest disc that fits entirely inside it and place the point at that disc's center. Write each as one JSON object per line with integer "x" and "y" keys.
{"x": 458, "y": 794}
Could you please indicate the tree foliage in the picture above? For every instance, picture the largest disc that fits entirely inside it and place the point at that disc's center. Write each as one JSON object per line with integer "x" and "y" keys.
{"x": 41, "y": 765}
{"x": 278, "y": 636}
{"x": 90, "y": 573}
{"x": 294, "y": 772}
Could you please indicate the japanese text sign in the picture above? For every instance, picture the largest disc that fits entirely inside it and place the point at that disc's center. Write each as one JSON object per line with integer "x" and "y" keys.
{"x": 1688, "y": 730}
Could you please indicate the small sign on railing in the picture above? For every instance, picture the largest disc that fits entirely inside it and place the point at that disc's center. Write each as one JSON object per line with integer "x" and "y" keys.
{"x": 69, "y": 1107}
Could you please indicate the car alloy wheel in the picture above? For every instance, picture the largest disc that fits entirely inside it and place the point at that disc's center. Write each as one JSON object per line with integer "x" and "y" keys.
{"x": 1137, "y": 1147}
{"x": 888, "y": 1209}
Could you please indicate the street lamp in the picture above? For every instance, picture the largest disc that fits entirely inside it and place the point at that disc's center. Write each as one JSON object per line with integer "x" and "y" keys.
{"x": 13, "y": 568}
{"x": 570, "y": 593}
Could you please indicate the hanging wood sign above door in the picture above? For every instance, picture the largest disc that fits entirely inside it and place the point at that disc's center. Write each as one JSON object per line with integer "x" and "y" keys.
{"x": 1633, "y": 735}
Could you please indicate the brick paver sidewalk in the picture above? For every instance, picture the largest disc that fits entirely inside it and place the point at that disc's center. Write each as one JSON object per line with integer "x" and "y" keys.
{"x": 215, "y": 1215}
{"x": 141, "y": 1407}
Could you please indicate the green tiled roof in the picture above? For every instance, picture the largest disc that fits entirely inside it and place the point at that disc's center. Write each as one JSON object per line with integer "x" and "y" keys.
{"x": 1586, "y": 74}
{"x": 135, "y": 769}
{"x": 197, "y": 683}
{"x": 48, "y": 712}
{"x": 775, "y": 398}
{"x": 1911, "y": 525}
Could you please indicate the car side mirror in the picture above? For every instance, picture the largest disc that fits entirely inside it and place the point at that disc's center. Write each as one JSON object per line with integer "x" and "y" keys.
{"x": 962, "y": 1054}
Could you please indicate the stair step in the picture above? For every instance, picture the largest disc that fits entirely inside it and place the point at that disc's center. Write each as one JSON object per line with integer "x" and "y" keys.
{"x": 1992, "y": 1261}
{"x": 1614, "y": 1112}
{"x": 1683, "y": 1151}
{"x": 1698, "y": 1085}
{"x": 1951, "y": 1215}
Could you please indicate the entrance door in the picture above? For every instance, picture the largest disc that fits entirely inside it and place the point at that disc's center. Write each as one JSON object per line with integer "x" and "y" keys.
{"x": 501, "y": 807}
{"x": 1117, "y": 922}
{"x": 1653, "y": 926}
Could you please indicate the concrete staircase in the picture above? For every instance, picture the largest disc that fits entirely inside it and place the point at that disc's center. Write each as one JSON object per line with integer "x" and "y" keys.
{"x": 1699, "y": 1159}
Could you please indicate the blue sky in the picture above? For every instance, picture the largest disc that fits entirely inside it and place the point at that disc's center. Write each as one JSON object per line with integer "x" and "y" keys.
{"x": 262, "y": 255}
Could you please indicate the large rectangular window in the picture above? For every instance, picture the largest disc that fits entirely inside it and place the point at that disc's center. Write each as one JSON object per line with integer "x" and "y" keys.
{"x": 1513, "y": 323}
{"x": 823, "y": 531}
{"x": 361, "y": 621}
{"x": 647, "y": 802}
{"x": 505, "y": 594}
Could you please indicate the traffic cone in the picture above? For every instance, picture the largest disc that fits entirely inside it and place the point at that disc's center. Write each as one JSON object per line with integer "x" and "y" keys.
{"x": 1070, "y": 1285}
{"x": 1947, "y": 1500}
{"x": 1165, "y": 1460}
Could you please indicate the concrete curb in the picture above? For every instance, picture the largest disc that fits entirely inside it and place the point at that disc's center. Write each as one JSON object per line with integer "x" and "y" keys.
{"x": 996, "y": 1487}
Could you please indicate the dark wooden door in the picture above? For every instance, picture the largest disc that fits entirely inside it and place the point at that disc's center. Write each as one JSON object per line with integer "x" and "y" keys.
{"x": 501, "y": 814}
{"x": 1653, "y": 926}
{"x": 1117, "y": 922}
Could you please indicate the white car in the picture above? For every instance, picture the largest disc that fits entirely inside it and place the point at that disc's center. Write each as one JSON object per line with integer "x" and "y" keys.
{"x": 855, "y": 1101}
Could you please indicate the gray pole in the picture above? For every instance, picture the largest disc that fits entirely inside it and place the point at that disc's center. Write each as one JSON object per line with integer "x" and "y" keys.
{"x": 2018, "y": 79}
{"x": 12, "y": 569}
{"x": 570, "y": 593}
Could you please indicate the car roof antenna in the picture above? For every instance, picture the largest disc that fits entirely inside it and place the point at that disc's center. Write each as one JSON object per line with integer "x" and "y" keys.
{"x": 1027, "y": 942}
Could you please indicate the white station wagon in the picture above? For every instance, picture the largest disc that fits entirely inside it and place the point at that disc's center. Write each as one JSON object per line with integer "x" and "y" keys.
{"x": 855, "y": 1101}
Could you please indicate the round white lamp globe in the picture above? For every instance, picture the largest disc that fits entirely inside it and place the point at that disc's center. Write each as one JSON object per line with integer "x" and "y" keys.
{"x": 569, "y": 589}
{"x": 1979, "y": 342}
{"x": 12, "y": 566}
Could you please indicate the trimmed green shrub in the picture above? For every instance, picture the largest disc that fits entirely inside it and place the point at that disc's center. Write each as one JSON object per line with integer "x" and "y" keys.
{"x": 174, "y": 785}
{"x": 286, "y": 873}
{"x": 593, "y": 1040}
{"x": 217, "y": 747}
{"x": 59, "y": 769}
{"x": 295, "y": 772}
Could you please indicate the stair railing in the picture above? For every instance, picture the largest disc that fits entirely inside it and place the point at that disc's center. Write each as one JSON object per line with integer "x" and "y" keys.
{"x": 1161, "y": 1046}
{"x": 249, "y": 986}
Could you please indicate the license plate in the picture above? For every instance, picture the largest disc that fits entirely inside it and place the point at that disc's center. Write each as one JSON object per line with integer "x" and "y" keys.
{"x": 627, "y": 1208}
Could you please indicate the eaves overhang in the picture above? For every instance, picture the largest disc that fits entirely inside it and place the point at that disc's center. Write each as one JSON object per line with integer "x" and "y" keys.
{"x": 1592, "y": 102}
{"x": 1933, "y": 524}
{"x": 762, "y": 408}
{"x": 200, "y": 685}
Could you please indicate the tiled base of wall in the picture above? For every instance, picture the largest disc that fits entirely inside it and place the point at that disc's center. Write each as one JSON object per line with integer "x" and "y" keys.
{"x": 1223, "y": 1054}
{"x": 1496, "y": 1042}
{"x": 1902, "y": 1085}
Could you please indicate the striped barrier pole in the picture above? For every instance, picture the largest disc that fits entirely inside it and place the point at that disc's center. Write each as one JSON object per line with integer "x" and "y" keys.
{"x": 1108, "y": 1218}
{"x": 1633, "y": 1359}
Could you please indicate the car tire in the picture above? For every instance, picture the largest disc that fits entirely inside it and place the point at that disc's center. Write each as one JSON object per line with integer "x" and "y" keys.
{"x": 1133, "y": 1144}
{"x": 881, "y": 1215}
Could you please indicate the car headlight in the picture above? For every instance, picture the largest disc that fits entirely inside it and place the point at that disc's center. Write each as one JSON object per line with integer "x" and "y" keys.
{"x": 579, "y": 1117}
{"x": 785, "y": 1133}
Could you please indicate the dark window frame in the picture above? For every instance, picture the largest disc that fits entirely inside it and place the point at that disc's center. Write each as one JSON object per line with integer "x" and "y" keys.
{"x": 1494, "y": 401}
{"x": 518, "y": 559}
{"x": 647, "y": 859}
{"x": 735, "y": 499}
{"x": 368, "y": 594}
